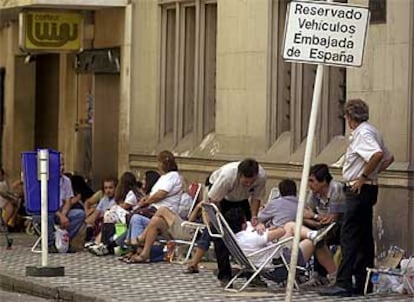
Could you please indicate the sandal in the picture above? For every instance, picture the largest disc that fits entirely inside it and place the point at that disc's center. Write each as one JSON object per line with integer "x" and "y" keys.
{"x": 191, "y": 270}
{"x": 138, "y": 259}
{"x": 126, "y": 256}
{"x": 138, "y": 242}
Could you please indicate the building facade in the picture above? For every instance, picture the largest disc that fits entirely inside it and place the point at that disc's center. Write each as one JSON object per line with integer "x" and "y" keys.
{"x": 205, "y": 79}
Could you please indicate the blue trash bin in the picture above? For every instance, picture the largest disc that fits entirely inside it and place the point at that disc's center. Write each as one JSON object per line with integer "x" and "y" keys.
{"x": 32, "y": 183}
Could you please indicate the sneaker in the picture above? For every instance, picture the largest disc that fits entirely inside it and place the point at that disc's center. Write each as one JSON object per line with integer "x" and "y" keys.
{"x": 89, "y": 244}
{"x": 321, "y": 233}
{"x": 315, "y": 281}
{"x": 331, "y": 278}
{"x": 99, "y": 250}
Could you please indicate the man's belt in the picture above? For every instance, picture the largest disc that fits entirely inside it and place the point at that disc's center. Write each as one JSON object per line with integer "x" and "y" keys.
{"x": 366, "y": 182}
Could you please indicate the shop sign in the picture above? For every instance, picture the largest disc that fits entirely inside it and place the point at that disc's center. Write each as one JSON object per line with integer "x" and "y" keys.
{"x": 50, "y": 30}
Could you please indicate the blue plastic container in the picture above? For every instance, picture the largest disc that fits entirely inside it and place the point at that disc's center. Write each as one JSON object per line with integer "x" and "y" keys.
{"x": 32, "y": 183}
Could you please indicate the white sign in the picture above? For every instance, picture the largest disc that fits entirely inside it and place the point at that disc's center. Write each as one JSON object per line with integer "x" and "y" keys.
{"x": 325, "y": 33}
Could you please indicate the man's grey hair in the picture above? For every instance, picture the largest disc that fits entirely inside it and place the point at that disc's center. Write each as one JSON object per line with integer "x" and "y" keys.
{"x": 357, "y": 110}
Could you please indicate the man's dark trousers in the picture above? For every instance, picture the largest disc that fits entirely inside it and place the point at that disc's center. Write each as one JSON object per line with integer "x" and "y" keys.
{"x": 357, "y": 242}
{"x": 222, "y": 253}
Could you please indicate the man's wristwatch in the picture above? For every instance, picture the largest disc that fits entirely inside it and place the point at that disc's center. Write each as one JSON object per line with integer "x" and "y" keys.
{"x": 316, "y": 216}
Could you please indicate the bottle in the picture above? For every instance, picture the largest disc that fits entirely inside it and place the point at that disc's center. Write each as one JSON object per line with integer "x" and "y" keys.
{"x": 169, "y": 253}
{"x": 375, "y": 279}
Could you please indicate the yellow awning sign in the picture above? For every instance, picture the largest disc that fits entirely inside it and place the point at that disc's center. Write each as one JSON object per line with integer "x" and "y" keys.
{"x": 46, "y": 30}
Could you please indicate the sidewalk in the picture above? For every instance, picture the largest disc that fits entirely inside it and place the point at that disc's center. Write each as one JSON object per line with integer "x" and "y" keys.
{"x": 101, "y": 279}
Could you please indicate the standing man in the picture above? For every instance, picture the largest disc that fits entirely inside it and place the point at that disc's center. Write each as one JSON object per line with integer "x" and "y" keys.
{"x": 365, "y": 157}
{"x": 233, "y": 186}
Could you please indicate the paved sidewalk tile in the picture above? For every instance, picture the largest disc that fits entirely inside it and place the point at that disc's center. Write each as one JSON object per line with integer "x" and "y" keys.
{"x": 91, "y": 278}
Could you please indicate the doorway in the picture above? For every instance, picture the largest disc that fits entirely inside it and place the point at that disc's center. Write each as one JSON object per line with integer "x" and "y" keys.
{"x": 47, "y": 101}
{"x": 105, "y": 126}
{"x": 98, "y": 113}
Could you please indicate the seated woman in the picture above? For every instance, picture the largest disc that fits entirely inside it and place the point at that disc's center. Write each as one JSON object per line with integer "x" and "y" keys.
{"x": 138, "y": 222}
{"x": 10, "y": 200}
{"x": 165, "y": 196}
{"x": 164, "y": 222}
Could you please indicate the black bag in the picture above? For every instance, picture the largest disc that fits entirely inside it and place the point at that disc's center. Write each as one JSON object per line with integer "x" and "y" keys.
{"x": 147, "y": 211}
{"x": 108, "y": 231}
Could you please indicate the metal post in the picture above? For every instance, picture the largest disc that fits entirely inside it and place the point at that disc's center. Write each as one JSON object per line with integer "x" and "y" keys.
{"x": 304, "y": 181}
{"x": 43, "y": 168}
{"x": 44, "y": 270}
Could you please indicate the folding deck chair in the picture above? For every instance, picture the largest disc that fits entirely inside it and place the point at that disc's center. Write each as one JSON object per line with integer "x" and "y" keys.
{"x": 274, "y": 193}
{"x": 218, "y": 228}
{"x": 194, "y": 191}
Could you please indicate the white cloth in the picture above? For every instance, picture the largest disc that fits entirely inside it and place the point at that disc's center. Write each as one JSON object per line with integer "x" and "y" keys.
{"x": 250, "y": 241}
{"x": 185, "y": 204}
{"x": 172, "y": 184}
{"x": 66, "y": 191}
{"x": 365, "y": 141}
{"x": 131, "y": 198}
{"x": 105, "y": 203}
{"x": 116, "y": 214}
{"x": 225, "y": 184}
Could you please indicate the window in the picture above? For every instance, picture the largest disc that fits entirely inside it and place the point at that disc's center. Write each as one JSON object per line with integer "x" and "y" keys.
{"x": 209, "y": 74}
{"x": 169, "y": 55}
{"x": 188, "y": 69}
{"x": 291, "y": 95}
{"x": 188, "y": 72}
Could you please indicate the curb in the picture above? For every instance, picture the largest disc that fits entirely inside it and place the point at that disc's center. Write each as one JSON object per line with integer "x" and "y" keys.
{"x": 44, "y": 290}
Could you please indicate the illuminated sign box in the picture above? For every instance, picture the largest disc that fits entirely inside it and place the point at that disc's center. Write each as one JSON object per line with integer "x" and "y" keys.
{"x": 50, "y": 30}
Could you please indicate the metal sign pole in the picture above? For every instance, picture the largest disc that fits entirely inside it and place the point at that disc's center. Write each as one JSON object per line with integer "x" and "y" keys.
{"x": 44, "y": 270}
{"x": 43, "y": 168}
{"x": 304, "y": 181}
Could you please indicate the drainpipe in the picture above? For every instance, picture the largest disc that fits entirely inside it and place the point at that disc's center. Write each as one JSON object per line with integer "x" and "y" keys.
{"x": 125, "y": 97}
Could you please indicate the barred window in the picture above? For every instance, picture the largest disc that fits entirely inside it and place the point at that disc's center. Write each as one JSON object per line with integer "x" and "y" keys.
{"x": 188, "y": 69}
{"x": 291, "y": 90}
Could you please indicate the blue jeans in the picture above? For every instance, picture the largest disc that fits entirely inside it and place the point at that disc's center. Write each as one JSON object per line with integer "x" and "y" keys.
{"x": 203, "y": 241}
{"x": 76, "y": 219}
{"x": 137, "y": 225}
